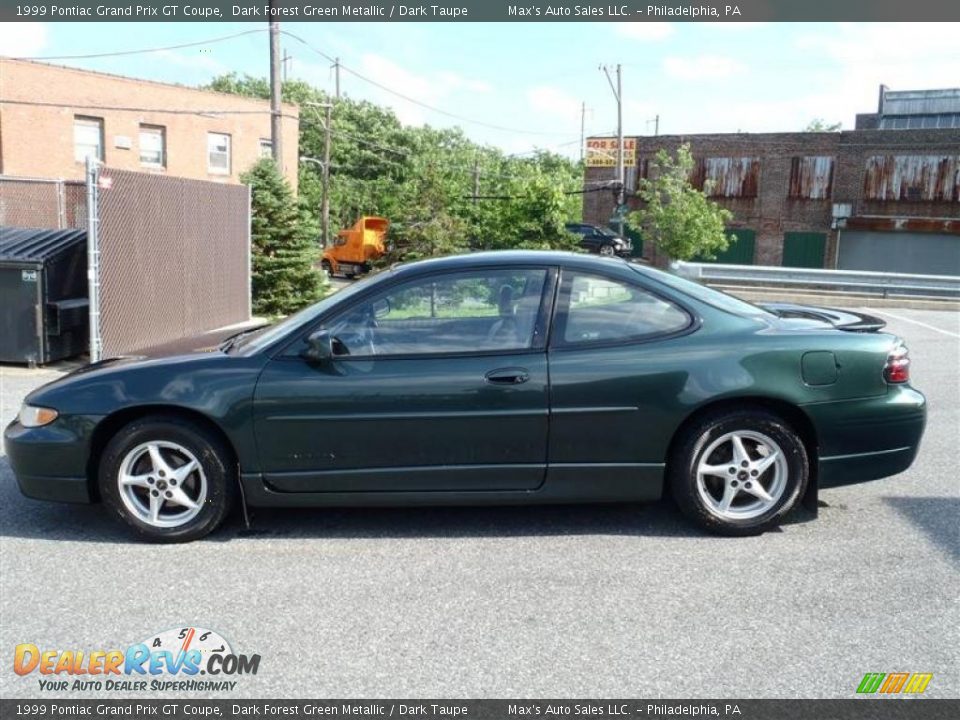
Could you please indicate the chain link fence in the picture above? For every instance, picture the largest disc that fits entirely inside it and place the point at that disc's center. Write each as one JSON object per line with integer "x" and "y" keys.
{"x": 35, "y": 203}
{"x": 174, "y": 258}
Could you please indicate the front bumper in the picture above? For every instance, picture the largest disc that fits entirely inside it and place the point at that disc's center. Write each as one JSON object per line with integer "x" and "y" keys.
{"x": 50, "y": 462}
{"x": 868, "y": 438}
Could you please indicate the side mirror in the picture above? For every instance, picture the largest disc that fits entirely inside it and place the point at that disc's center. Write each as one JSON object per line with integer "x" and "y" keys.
{"x": 319, "y": 347}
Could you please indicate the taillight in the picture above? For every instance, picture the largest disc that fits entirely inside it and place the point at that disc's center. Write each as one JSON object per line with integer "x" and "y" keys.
{"x": 897, "y": 369}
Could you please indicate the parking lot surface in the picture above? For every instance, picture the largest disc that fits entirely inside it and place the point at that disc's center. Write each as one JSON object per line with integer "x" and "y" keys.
{"x": 588, "y": 601}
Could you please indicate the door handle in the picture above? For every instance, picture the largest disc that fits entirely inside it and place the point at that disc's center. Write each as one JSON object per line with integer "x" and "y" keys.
{"x": 507, "y": 376}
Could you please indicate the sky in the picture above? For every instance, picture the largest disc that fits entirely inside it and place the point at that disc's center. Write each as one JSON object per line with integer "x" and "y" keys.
{"x": 529, "y": 79}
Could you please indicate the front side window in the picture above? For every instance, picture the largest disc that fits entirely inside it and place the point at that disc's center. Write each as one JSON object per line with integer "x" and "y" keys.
{"x": 218, "y": 153}
{"x": 87, "y": 138}
{"x": 595, "y": 308}
{"x": 478, "y": 311}
{"x": 153, "y": 145}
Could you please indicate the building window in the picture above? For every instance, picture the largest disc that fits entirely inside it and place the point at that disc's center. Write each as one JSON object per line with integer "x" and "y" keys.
{"x": 218, "y": 153}
{"x": 266, "y": 148}
{"x": 87, "y": 138}
{"x": 811, "y": 177}
{"x": 727, "y": 177}
{"x": 153, "y": 145}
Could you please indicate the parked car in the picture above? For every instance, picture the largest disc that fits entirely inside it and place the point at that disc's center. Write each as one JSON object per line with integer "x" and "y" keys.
{"x": 600, "y": 240}
{"x": 491, "y": 378}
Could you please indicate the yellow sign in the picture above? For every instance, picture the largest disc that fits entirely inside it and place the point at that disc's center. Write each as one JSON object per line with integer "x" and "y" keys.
{"x": 602, "y": 152}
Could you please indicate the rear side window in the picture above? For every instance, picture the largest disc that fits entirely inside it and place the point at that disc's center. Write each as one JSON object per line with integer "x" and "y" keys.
{"x": 595, "y": 308}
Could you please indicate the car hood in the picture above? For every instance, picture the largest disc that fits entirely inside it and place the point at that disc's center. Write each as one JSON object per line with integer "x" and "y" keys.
{"x": 183, "y": 348}
{"x": 845, "y": 319}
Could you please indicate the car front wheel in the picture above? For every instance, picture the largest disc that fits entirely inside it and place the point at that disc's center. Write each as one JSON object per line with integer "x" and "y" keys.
{"x": 608, "y": 250}
{"x": 168, "y": 478}
{"x": 739, "y": 472}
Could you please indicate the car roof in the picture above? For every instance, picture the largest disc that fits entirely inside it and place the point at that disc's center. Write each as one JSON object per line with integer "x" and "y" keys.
{"x": 510, "y": 258}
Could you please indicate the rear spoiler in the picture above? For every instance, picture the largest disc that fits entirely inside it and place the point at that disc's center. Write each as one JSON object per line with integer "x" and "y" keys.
{"x": 841, "y": 319}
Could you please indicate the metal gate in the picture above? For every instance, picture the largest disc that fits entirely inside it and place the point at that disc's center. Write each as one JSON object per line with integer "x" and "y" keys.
{"x": 804, "y": 249}
{"x": 169, "y": 258}
{"x": 902, "y": 252}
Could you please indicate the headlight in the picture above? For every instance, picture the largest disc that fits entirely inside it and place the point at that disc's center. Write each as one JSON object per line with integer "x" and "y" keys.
{"x": 31, "y": 416}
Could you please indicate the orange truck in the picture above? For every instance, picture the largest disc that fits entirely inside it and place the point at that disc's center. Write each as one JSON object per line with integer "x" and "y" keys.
{"x": 355, "y": 248}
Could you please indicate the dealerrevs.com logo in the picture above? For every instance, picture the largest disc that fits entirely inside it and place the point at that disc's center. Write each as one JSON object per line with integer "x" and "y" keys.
{"x": 894, "y": 683}
{"x": 173, "y": 660}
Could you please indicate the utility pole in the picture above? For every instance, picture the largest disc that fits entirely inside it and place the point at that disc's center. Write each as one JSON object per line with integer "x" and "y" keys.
{"x": 276, "y": 130}
{"x": 476, "y": 179}
{"x": 656, "y": 124}
{"x": 324, "y": 168}
{"x": 336, "y": 71}
{"x": 621, "y": 189}
{"x": 583, "y": 124}
{"x": 325, "y": 203}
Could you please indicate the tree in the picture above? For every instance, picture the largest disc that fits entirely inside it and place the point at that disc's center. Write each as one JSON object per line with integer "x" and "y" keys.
{"x": 285, "y": 277}
{"x": 678, "y": 218}
{"x": 821, "y": 125}
{"x": 422, "y": 178}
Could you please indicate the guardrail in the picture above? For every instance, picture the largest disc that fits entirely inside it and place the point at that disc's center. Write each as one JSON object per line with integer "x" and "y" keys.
{"x": 879, "y": 284}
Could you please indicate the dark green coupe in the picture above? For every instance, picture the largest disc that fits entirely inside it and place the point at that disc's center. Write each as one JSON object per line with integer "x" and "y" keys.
{"x": 492, "y": 378}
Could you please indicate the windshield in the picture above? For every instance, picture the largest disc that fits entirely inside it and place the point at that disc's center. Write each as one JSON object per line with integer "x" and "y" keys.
{"x": 270, "y": 334}
{"x": 705, "y": 294}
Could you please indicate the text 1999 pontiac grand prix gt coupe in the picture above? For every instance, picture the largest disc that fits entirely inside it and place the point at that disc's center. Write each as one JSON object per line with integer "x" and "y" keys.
{"x": 492, "y": 378}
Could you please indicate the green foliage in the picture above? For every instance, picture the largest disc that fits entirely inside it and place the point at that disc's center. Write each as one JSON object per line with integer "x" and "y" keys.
{"x": 821, "y": 125}
{"x": 679, "y": 219}
{"x": 422, "y": 179}
{"x": 284, "y": 245}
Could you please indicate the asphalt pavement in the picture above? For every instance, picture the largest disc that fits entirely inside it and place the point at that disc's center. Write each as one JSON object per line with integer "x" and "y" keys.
{"x": 588, "y": 601}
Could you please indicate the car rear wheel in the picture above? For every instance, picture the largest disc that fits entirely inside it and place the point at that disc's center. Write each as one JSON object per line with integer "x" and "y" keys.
{"x": 739, "y": 472}
{"x": 168, "y": 478}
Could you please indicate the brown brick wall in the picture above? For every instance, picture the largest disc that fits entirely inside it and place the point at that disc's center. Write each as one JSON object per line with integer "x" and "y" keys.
{"x": 772, "y": 212}
{"x": 37, "y": 140}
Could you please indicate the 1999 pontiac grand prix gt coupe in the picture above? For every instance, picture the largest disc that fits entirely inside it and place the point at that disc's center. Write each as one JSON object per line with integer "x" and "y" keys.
{"x": 491, "y": 378}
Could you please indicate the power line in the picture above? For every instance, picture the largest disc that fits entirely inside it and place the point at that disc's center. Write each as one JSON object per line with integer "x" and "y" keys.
{"x": 142, "y": 50}
{"x": 409, "y": 99}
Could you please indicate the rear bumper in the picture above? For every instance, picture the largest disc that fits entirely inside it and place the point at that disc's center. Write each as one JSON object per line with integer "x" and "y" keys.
{"x": 868, "y": 438}
{"x": 49, "y": 462}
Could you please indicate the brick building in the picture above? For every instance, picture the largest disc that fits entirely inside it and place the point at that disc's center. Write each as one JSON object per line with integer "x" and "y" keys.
{"x": 872, "y": 199}
{"x": 52, "y": 117}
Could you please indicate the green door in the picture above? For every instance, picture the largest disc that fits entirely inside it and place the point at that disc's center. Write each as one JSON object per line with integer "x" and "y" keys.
{"x": 738, "y": 252}
{"x": 804, "y": 249}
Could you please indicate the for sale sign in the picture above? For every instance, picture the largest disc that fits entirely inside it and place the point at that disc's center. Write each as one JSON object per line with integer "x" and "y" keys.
{"x": 602, "y": 152}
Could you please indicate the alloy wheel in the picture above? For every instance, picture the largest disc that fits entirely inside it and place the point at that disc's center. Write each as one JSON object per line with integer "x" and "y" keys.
{"x": 741, "y": 475}
{"x": 162, "y": 484}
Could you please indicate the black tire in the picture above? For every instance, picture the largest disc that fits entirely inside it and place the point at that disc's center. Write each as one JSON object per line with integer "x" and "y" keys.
{"x": 607, "y": 250}
{"x": 696, "y": 439}
{"x": 214, "y": 458}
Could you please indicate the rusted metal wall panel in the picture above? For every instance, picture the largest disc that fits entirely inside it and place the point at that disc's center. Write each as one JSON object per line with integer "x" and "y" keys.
{"x": 811, "y": 177}
{"x": 912, "y": 177}
{"x": 729, "y": 177}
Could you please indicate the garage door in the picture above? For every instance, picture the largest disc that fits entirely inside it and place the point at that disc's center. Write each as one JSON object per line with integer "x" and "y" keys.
{"x": 904, "y": 252}
{"x": 738, "y": 252}
{"x": 803, "y": 249}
